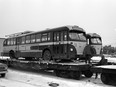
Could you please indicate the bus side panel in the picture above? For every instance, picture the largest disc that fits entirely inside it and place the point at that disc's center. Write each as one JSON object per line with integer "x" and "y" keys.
{"x": 7, "y": 49}
{"x": 29, "y": 50}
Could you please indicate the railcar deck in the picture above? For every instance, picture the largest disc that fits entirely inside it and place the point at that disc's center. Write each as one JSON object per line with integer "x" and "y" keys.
{"x": 72, "y": 69}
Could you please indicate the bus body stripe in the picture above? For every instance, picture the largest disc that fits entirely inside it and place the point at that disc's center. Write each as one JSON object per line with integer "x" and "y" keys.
{"x": 27, "y": 47}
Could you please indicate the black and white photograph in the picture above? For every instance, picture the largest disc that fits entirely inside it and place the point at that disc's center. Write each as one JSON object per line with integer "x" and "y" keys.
{"x": 57, "y": 43}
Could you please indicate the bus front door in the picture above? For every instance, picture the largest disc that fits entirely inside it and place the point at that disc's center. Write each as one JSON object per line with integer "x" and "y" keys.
{"x": 60, "y": 45}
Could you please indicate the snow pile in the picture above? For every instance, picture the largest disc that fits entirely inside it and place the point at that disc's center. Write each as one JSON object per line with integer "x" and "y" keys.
{"x": 98, "y": 58}
{"x": 4, "y": 57}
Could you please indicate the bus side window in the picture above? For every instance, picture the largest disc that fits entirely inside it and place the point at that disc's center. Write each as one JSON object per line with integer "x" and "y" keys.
{"x": 5, "y": 42}
{"x": 32, "y": 38}
{"x": 88, "y": 41}
{"x": 54, "y": 36}
{"x": 27, "y": 39}
{"x": 8, "y": 42}
{"x": 38, "y": 37}
{"x": 58, "y": 36}
{"x": 23, "y": 40}
{"x": 14, "y": 41}
{"x": 65, "y": 35}
{"x": 61, "y": 36}
{"x": 18, "y": 40}
{"x": 44, "y": 37}
{"x": 48, "y": 36}
{"x": 11, "y": 41}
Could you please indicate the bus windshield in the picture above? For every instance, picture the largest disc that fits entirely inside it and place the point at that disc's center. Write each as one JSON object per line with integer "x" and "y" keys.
{"x": 77, "y": 36}
{"x": 96, "y": 41}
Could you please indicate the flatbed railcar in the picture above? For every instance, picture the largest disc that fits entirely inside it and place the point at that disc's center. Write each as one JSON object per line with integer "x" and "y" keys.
{"x": 62, "y": 69}
{"x": 107, "y": 73}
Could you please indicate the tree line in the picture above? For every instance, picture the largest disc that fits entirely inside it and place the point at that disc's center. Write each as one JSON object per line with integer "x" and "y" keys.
{"x": 108, "y": 49}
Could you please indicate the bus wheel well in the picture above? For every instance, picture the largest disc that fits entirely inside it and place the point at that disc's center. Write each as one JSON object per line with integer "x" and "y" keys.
{"x": 89, "y": 49}
{"x": 12, "y": 54}
{"x": 46, "y": 51}
{"x": 11, "y": 51}
{"x": 93, "y": 50}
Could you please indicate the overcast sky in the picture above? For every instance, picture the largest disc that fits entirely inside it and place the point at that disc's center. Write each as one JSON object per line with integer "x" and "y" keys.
{"x": 97, "y": 16}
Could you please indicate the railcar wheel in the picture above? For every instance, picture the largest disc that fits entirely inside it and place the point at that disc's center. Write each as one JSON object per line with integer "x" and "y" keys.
{"x": 47, "y": 55}
{"x": 105, "y": 78}
{"x": 88, "y": 73}
{"x": 3, "y": 75}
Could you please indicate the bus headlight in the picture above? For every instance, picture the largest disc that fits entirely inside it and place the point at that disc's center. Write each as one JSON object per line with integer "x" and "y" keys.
{"x": 71, "y": 49}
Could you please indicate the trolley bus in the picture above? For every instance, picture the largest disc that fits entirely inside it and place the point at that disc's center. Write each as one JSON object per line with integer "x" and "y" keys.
{"x": 95, "y": 41}
{"x": 62, "y": 43}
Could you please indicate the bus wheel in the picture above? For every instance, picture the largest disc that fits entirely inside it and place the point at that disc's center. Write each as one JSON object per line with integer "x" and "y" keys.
{"x": 105, "y": 78}
{"x": 88, "y": 73}
{"x": 46, "y": 55}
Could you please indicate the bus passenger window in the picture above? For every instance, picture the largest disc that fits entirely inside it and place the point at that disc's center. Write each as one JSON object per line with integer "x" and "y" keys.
{"x": 54, "y": 36}
{"x": 11, "y": 42}
{"x": 23, "y": 40}
{"x": 8, "y": 42}
{"x": 32, "y": 38}
{"x": 5, "y": 42}
{"x": 14, "y": 41}
{"x": 48, "y": 36}
{"x": 57, "y": 36}
{"x": 27, "y": 39}
{"x": 38, "y": 37}
{"x": 18, "y": 40}
{"x": 61, "y": 36}
{"x": 65, "y": 36}
{"x": 44, "y": 37}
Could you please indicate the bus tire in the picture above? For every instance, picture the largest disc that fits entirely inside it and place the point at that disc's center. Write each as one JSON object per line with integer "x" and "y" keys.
{"x": 47, "y": 55}
{"x": 88, "y": 73}
{"x": 105, "y": 78}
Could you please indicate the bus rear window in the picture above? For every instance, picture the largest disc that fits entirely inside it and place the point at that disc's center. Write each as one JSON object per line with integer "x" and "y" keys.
{"x": 77, "y": 36}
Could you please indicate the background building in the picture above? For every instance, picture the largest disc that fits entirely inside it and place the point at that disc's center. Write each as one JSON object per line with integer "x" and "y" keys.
{"x": 1, "y": 45}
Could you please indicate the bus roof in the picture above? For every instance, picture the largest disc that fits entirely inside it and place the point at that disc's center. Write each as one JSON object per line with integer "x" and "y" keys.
{"x": 68, "y": 27}
{"x": 93, "y": 35}
{"x": 47, "y": 30}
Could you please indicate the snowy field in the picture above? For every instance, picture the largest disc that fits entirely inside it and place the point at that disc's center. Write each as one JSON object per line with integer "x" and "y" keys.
{"x": 23, "y": 78}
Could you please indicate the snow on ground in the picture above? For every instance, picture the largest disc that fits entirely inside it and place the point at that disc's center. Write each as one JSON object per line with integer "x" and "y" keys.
{"x": 19, "y": 78}
{"x": 98, "y": 58}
